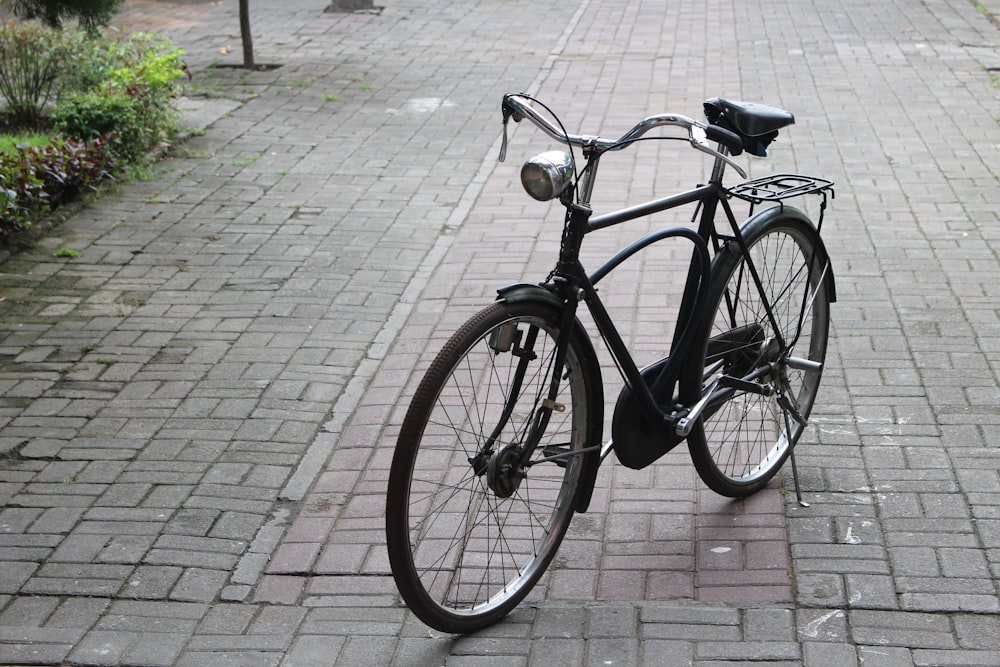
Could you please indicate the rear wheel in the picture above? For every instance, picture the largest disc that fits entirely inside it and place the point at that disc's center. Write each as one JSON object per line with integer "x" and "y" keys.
{"x": 765, "y": 370}
{"x": 470, "y": 530}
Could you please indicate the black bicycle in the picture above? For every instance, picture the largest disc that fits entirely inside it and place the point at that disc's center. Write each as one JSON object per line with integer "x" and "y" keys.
{"x": 503, "y": 439}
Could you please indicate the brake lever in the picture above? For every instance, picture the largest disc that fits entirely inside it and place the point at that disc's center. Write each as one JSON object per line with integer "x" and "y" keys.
{"x": 503, "y": 142}
{"x": 508, "y": 113}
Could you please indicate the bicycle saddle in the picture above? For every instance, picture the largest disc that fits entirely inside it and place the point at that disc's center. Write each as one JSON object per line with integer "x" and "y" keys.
{"x": 757, "y": 124}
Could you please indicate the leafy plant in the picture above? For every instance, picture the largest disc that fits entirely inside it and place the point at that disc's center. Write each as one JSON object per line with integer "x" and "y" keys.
{"x": 34, "y": 178}
{"x": 63, "y": 251}
{"x": 22, "y": 193}
{"x": 68, "y": 167}
{"x": 31, "y": 57}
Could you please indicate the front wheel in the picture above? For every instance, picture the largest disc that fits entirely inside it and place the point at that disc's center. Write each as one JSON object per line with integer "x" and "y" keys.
{"x": 762, "y": 365}
{"x": 470, "y": 527}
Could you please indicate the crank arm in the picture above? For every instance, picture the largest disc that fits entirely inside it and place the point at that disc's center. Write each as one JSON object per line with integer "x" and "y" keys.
{"x": 686, "y": 423}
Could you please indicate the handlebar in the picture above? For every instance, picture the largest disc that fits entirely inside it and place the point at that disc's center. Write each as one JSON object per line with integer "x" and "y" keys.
{"x": 518, "y": 107}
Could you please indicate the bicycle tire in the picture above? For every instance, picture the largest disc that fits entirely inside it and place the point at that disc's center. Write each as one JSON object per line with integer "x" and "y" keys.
{"x": 462, "y": 555}
{"x": 741, "y": 441}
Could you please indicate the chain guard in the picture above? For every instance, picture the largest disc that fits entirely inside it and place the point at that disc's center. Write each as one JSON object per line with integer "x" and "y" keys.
{"x": 637, "y": 442}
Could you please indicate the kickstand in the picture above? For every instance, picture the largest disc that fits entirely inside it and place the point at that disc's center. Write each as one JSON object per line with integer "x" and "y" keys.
{"x": 791, "y": 458}
{"x": 795, "y": 480}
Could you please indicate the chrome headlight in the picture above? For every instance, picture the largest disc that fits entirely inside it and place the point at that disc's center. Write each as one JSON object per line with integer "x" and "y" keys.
{"x": 546, "y": 176}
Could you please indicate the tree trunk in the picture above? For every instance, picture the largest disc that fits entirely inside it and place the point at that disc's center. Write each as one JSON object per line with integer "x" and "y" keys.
{"x": 248, "y": 62}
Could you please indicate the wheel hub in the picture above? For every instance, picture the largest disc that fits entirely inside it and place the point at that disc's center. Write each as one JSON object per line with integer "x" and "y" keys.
{"x": 504, "y": 472}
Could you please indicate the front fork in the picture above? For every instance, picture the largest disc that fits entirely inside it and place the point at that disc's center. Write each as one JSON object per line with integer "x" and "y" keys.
{"x": 506, "y": 466}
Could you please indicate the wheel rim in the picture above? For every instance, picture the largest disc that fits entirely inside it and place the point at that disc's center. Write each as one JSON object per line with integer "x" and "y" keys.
{"x": 473, "y": 552}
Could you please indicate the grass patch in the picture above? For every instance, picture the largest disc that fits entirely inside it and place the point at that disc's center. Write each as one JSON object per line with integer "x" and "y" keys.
{"x": 248, "y": 161}
{"x": 8, "y": 142}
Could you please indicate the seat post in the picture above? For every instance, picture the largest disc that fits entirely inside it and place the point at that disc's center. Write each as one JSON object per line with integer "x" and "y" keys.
{"x": 719, "y": 168}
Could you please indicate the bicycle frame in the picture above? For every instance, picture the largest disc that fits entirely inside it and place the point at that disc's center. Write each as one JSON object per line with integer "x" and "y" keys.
{"x": 570, "y": 282}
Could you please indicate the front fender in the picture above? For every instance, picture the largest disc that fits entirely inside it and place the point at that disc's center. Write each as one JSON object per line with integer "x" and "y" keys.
{"x": 595, "y": 388}
{"x": 528, "y": 292}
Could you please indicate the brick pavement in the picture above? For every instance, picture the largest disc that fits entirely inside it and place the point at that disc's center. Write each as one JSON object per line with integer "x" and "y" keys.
{"x": 190, "y": 407}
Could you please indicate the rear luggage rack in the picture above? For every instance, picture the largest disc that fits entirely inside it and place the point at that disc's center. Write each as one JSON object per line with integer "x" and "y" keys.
{"x": 778, "y": 187}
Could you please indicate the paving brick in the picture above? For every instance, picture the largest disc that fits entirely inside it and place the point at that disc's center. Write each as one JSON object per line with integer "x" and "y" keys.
{"x": 611, "y": 622}
{"x": 226, "y": 619}
{"x": 199, "y": 585}
{"x": 230, "y": 657}
{"x": 313, "y": 649}
{"x": 155, "y": 649}
{"x": 15, "y": 574}
{"x": 820, "y": 653}
{"x": 566, "y": 622}
{"x": 937, "y": 657}
{"x": 103, "y": 647}
{"x": 28, "y": 611}
{"x": 38, "y": 653}
{"x": 280, "y": 589}
{"x": 658, "y": 652}
{"x": 547, "y": 651}
{"x": 140, "y": 624}
{"x": 78, "y": 613}
{"x": 769, "y": 625}
{"x": 912, "y": 630}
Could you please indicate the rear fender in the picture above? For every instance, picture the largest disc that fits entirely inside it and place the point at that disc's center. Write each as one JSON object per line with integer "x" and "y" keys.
{"x": 822, "y": 256}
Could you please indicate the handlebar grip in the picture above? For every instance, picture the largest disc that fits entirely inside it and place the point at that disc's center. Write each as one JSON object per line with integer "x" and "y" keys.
{"x": 729, "y": 139}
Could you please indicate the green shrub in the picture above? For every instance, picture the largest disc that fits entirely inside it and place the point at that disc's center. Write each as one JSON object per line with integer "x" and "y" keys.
{"x": 31, "y": 58}
{"x": 134, "y": 102}
{"x": 94, "y": 59}
{"x": 95, "y": 114}
{"x": 151, "y": 82}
